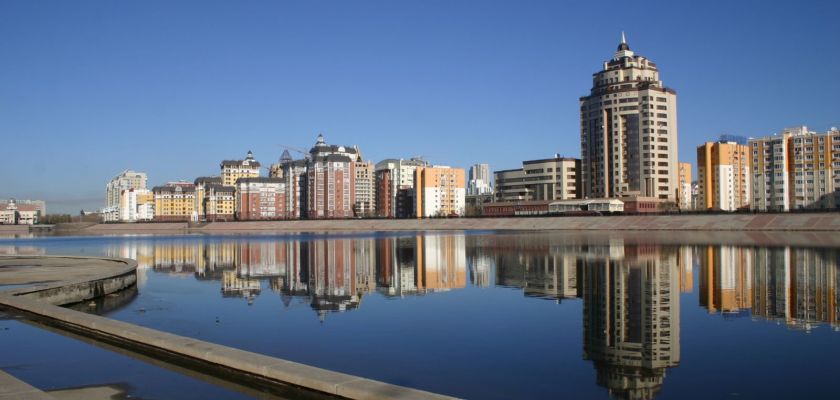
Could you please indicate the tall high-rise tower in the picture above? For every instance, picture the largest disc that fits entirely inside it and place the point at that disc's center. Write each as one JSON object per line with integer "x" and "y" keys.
{"x": 628, "y": 130}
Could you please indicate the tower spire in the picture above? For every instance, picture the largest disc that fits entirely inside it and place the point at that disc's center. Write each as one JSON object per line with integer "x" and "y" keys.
{"x": 623, "y": 48}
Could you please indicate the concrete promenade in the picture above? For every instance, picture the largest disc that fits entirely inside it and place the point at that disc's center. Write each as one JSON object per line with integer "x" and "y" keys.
{"x": 54, "y": 281}
{"x": 686, "y": 222}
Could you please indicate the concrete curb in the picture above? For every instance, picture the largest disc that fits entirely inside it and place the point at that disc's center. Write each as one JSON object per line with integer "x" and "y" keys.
{"x": 224, "y": 361}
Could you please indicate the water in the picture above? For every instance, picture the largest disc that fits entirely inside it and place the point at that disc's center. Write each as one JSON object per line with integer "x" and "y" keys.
{"x": 504, "y": 315}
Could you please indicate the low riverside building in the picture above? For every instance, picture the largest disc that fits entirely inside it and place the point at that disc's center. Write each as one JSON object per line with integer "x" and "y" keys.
{"x": 723, "y": 176}
{"x": 540, "y": 180}
{"x": 797, "y": 169}
{"x": 643, "y": 204}
{"x": 515, "y": 208}
{"x": 439, "y": 191}
{"x": 260, "y": 199}
{"x": 175, "y": 202}
{"x": 582, "y": 205}
{"x": 21, "y": 212}
{"x": 231, "y": 170}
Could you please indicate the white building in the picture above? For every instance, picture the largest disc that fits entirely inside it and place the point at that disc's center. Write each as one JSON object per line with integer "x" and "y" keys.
{"x": 126, "y": 181}
{"x": 480, "y": 180}
{"x": 796, "y": 169}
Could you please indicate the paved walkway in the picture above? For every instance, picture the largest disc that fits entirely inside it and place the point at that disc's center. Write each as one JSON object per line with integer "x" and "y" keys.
{"x": 12, "y": 388}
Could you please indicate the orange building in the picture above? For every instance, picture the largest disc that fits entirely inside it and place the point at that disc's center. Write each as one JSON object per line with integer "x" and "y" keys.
{"x": 439, "y": 191}
{"x": 684, "y": 186}
{"x": 723, "y": 176}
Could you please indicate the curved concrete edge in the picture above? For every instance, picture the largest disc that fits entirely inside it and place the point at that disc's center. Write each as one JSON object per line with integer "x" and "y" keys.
{"x": 40, "y": 302}
{"x": 79, "y": 290}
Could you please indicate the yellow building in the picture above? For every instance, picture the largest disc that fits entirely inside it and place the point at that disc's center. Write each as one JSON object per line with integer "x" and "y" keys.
{"x": 684, "y": 186}
{"x": 439, "y": 191}
{"x": 219, "y": 202}
{"x": 723, "y": 176}
{"x": 232, "y": 170}
{"x": 176, "y": 201}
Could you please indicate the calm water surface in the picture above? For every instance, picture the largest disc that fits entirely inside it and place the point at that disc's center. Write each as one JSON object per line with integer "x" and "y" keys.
{"x": 500, "y": 315}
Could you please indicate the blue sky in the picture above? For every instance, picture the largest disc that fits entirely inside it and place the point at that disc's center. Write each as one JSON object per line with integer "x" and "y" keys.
{"x": 171, "y": 88}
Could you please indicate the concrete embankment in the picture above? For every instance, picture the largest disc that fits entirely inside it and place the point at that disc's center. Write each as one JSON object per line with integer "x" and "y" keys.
{"x": 84, "y": 279}
{"x": 675, "y": 222}
{"x": 12, "y": 230}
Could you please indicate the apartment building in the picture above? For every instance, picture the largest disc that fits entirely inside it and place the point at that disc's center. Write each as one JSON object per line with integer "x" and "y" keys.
{"x": 126, "y": 180}
{"x": 231, "y": 170}
{"x": 175, "y": 202}
{"x": 480, "y": 182}
{"x": 797, "y": 169}
{"x": 439, "y": 191}
{"x": 684, "y": 197}
{"x": 260, "y": 199}
{"x": 365, "y": 181}
{"x": 395, "y": 187}
{"x": 629, "y": 131}
{"x": 331, "y": 186}
{"x": 723, "y": 176}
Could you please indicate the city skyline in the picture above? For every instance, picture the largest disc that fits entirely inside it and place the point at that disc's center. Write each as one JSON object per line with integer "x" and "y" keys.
{"x": 109, "y": 88}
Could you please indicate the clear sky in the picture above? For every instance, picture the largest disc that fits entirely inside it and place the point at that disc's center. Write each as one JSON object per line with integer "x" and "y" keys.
{"x": 90, "y": 88}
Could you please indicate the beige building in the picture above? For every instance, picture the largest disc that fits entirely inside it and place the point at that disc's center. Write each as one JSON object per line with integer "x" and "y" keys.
{"x": 629, "y": 131}
{"x": 21, "y": 212}
{"x": 723, "y": 176}
{"x": 218, "y": 202}
{"x": 235, "y": 169}
{"x": 365, "y": 202}
{"x": 439, "y": 191}
{"x": 684, "y": 198}
{"x": 796, "y": 169}
{"x": 540, "y": 180}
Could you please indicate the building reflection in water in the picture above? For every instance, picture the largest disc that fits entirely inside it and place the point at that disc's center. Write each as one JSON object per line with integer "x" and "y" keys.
{"x": 631, "y": 318}
{"x": 797, "y": 287}
{"x": 629, "y": 292}
{"x": 330, "y": 274}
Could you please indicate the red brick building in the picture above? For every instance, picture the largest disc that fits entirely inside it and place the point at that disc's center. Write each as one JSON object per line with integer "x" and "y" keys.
{"x": 330, "y": 187}
{"x": 260, "y": 199}
{"x": 384, "y": 193}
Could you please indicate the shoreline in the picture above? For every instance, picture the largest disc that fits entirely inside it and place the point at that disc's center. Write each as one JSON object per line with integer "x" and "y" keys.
{"x": 807, "y": 222}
